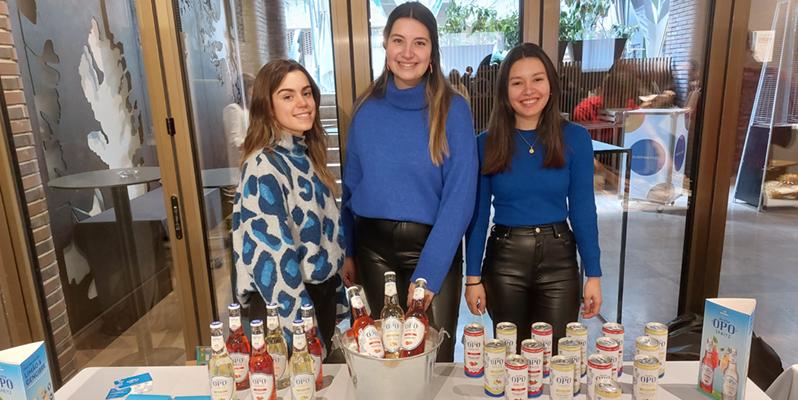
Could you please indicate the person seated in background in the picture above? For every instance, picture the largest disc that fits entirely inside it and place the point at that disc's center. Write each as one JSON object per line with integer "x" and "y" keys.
{"x": 619, "y": 89}
{"x": 457, "y": 84}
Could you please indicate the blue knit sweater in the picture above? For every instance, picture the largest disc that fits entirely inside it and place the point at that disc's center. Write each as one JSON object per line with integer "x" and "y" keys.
{"x": 529, "y": 195}
{"x": 389, "y": 174}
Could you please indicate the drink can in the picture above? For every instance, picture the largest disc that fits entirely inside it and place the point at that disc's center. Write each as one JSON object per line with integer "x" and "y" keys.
{"x": 473, "y": 344}
{"x": 577, "y": 330}
{"x": 572, "y": 348}
{"x": 508, "y": 332}
{"x": 614, "y": 330}
{"x": 611, "y": 348}
{"x": 647, "y": 346}
{"x": 495, "y": 353}
{"x": 516, "y": 368}
{"x": 533, "y": 351}
{"x": 645, "y": 378}
{"x": 599, "y": 369}
{"x": 608, "y": 391}
{"x": 543, "y": 332}
{"x": 659, "y": 331}
{"x": 562, "y": 378}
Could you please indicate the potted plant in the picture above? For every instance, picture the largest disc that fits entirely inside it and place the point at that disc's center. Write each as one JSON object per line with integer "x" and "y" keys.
{"x": 582, "y": 20}
{"x": 622, "y": 33}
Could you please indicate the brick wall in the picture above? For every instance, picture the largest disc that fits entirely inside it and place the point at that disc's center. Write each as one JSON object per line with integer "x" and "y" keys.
{"x": 685, "y": 41}
{"x": 35, "y": 199}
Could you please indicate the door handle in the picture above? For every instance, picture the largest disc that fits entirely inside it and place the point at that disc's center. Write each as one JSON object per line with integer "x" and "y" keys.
{"x": 176, "y": 218}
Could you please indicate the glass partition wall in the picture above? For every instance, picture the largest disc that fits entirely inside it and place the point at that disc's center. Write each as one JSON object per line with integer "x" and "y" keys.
{"x": 762, "y": 218}
{"x": 632, "y": 73}
{"x": 225, "y": 43}
{"x": 93, "y": 183}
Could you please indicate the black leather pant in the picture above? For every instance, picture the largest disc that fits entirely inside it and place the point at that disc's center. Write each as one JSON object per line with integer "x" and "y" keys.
{"x": 383, "y": 245}
{"x": 531, "y": 275}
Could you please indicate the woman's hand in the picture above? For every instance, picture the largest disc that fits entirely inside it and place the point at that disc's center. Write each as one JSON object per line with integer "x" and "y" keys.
{"x": 348, "y": 272}
{"x": 475, "y": 295}
{"x": 427, "y": 296}
{"x": 592, "y": 297}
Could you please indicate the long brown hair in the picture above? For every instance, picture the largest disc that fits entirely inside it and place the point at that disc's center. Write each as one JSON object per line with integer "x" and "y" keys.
{"x": 263, "y": 130}
{"x": 500, "y": 144}
{"x": 438, "y": 91}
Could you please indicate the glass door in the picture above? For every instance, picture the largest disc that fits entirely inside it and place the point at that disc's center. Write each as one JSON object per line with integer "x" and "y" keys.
{"x": 632, "y": 73}
{"x": 223, "y": 44}
{"x": 100, "y": 184}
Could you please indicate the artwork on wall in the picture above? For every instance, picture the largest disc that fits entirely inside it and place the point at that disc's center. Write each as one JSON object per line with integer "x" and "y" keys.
{"x": 82, "y": 69}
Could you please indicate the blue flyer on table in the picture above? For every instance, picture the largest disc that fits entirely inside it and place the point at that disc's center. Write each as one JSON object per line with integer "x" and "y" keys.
{"x": 725, "y": 347}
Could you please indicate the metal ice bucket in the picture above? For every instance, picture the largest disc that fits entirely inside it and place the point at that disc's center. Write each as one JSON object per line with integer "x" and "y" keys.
{"x": 400, "y": 379}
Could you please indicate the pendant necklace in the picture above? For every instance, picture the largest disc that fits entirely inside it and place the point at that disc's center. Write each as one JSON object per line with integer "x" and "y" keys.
{"x": 532, "y": 145}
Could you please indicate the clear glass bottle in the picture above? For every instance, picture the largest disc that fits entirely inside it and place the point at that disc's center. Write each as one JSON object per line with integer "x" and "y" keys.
{"x": 393, "y": 317}
{"x": 314, "y": 344}
{"x": 220, "y": 366}
{"x": 414, "y": 331}
{"x": 303, "y": 381}
{"x": 238, "y": 348}
{"x": 261, "y": 366}
{"x": 276, "y": 346}
{"x": 367, "y": 337}
{"x": 730, "y": 377}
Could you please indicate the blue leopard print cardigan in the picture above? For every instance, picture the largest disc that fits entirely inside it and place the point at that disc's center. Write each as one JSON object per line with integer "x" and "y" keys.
{"x": 286, "y": 231}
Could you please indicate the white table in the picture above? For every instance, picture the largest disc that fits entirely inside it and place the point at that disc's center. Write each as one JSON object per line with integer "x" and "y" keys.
{"x": 93, "y": 383}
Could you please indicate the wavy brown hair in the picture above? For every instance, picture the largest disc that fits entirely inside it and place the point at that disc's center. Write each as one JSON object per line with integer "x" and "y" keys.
{"x": 500, "y": 144}
{"x": 438, "y": 90}
{"x": 263, "y": 130}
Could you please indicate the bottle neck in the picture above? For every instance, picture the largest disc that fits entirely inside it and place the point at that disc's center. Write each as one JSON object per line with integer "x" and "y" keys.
{"x": 417, "y": 303}
{"x": 358, "y": 312}
{"x": 392, "y": 300}
{"x": 300, "y": 342}
{"x": 218, "y": 346}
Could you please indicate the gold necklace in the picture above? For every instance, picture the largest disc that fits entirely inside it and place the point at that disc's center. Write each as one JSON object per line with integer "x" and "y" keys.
{"x": 531, "y": 146}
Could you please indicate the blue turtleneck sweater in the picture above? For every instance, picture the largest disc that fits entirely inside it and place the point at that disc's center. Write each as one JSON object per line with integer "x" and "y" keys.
{"x": 529, "y": 195}
{"x": 389, "y": 173}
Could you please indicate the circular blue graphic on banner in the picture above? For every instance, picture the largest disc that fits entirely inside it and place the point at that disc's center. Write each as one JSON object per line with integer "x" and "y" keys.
{"x": 648, "y": 157}
{"x": 679, "y": 153}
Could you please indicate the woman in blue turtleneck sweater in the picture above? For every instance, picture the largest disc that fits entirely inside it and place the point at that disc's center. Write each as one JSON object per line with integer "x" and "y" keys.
{"x": 410, "y": 175}
{"x": 537, "y": 172}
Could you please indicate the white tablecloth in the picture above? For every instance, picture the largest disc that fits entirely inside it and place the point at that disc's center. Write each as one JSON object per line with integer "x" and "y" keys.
{"x": 680, "y": 382}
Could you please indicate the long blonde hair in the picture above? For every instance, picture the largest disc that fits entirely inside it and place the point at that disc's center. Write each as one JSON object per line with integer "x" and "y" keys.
{"x": 438, "y": 91}
{"x": 263, "y": 130}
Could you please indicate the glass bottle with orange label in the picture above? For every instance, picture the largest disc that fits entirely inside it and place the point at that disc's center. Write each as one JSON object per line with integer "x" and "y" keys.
{"x": 414, "y": 331}
{"x": 367, "y": 337}
{"x": 314, "y": 344}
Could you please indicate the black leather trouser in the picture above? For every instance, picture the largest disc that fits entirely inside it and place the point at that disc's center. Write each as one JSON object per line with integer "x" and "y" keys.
{"x": 383, "y": 245}
{"x": 531, "y": 275}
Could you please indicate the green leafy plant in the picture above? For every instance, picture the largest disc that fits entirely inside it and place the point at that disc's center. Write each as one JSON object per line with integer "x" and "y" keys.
{"x": 470, "y": 18}
{"x": 624, "y": 31}
{"x": 582, "y": 19}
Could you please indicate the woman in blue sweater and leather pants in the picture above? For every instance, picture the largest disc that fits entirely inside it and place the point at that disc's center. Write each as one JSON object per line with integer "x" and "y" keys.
{"x": 537, "y": 172}
{"x": 410, "y": 174}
